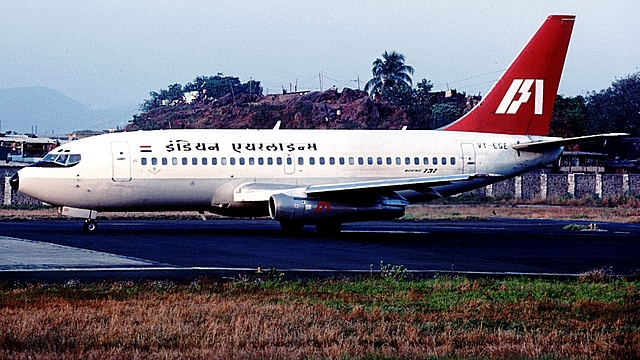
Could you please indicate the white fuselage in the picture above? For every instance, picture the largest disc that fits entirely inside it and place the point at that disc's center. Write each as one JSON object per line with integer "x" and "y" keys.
{"x": 206, "y": 170}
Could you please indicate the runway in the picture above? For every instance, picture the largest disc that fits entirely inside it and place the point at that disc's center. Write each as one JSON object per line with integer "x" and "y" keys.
{"x": 58, "y": 250}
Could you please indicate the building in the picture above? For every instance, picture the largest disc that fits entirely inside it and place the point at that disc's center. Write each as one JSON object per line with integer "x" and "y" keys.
{"x": 25, "y": 148}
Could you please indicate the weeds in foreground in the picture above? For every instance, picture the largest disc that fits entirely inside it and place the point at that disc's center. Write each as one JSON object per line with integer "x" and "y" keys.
{"x": 370, "y": 317}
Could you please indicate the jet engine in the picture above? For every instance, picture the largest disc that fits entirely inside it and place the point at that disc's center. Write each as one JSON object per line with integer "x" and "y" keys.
{"x": 312, "y": 211}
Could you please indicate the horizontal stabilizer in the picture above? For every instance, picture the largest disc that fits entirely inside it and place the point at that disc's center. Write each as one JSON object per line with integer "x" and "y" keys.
{"x": 541, "y": 146}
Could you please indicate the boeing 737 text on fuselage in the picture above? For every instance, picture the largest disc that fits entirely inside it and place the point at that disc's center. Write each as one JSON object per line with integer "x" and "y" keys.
{"x": 320, "y": 177}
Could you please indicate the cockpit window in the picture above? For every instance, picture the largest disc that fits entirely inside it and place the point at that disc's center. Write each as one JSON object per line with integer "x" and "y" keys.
{"x": 58, "y": 160}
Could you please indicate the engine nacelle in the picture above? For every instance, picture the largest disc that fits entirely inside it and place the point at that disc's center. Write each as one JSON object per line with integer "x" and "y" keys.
{"x": 313, "y": 211}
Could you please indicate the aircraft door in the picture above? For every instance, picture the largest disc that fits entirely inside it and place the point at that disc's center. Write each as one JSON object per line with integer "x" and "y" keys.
{"x": 121, "y": 162}
{"x": 468, "y": 158}
{"x": 289, "y": 163}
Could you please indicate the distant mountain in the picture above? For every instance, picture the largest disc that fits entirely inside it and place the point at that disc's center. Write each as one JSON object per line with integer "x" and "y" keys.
{"x": 22, "y": 109}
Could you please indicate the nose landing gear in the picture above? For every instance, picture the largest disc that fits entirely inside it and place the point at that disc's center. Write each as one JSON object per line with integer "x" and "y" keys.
{"x": 90, "y": 226}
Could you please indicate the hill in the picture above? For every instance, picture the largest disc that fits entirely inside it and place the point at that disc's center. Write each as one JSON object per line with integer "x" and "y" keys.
{"x": 349, "y": 109}
{"x": 26, "y": 108}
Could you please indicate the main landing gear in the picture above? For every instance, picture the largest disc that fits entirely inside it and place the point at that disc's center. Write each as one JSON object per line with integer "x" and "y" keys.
{"x": 291, "y": 227}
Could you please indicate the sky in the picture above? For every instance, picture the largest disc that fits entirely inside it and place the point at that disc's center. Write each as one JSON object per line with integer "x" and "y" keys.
{"x": 111, "y": 53}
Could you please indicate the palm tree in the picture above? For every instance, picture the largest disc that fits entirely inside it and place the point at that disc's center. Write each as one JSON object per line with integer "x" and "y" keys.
{"x": 388, "y": 73}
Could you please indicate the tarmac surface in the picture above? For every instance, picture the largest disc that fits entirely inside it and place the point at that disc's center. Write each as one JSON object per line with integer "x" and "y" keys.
{"x": 58, "y": 250}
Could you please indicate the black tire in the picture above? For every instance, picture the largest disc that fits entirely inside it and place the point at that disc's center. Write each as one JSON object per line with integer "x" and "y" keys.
{"x": 291, "y": 227}
{"x": 90, "y": 226}
{"x": 329, "y": 228}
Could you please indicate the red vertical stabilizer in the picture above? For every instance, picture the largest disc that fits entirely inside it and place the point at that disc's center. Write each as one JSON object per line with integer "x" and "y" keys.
{"x": 521, "y": 101}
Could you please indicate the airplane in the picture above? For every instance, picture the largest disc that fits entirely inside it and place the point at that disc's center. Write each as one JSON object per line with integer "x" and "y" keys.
{"x": 316, "y": 177}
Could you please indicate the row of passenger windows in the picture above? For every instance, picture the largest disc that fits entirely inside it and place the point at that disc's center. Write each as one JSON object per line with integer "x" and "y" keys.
{"x": 301, "y": 161}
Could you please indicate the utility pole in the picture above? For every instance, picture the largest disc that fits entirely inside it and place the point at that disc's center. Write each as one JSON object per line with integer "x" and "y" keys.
{"x": 357, "y": 81}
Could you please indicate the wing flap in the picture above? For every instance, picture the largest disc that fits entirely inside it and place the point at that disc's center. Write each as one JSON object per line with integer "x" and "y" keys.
{"x": 263, "y": 191}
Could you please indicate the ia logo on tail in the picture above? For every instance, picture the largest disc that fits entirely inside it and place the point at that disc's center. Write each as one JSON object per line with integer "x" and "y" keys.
{"x": 509, "y": 105}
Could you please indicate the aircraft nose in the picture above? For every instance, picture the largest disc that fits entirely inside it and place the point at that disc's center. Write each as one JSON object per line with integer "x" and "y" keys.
{"x": 15, "y": 182}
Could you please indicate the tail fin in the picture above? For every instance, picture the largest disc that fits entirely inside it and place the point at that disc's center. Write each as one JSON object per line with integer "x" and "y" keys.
{"x": 522, "y": 99}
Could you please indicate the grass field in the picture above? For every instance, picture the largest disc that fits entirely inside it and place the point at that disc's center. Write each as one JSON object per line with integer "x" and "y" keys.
{"x": 594, "y": 317}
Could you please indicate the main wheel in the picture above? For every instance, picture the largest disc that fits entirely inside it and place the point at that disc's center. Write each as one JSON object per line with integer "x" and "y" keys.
{"x": 329, "y": 228}
{"x": 291, "y": 227}
{"x": 90, "y": 226}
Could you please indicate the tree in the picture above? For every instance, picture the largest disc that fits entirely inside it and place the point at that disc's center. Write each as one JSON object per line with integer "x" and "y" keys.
{"x": 389, "y": 73}
{"x": 569, "y": 117}
{"x": 212, "y": 87}
{"x": 420, "y": 107}
{"x": 443, "y": 114}
{"x": 616, "y": 109}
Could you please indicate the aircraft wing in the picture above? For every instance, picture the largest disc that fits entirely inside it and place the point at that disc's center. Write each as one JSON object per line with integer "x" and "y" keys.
{"x": 263, "y": 191}
{"x": 541, "y": 146}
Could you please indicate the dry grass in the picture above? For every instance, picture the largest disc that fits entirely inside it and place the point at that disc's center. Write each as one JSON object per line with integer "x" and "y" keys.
{"x": 500, "y": 210}
{"x": 426, "y": 211}
{"x": 333, "y": 319}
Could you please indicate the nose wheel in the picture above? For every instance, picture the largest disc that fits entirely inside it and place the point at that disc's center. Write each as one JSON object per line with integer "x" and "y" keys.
{"x": 90, "y": 226}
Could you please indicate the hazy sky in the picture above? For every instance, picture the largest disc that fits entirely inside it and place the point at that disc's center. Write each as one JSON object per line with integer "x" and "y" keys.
{"x": 112, "y": 53}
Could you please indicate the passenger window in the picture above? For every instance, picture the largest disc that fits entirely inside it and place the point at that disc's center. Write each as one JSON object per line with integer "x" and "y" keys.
{"x": 341, "y": 161}
{"x": 397, "y": 161}
{"x": 389, "y": 161}
{"x": 164, "y": 161}
{"x": 214, "y": 161}
{"x": 425, "y": 161}
{"x": 332, "y": 161}
{"x": 289, "y": 161}
{"x": 251, "y": 161}
{"x": 143, "y": 161}
{"x": 223, "y": 161}
{"x": 321, "y": 160}
{"x": 232, "y": 161}
{"x": 407, "y": 161}
{"x": 379, "y": 160}
{"x": 434, "y": 161}
{"x": 312, "y": 161}
{"x": 241, "y": 161}
{"x": 185, "y": 161}
{"x": 300, "y": 160}
{"x": 154, "y": 161}
{"x": 370, "y": 161}
{"x": 452, "y": 161}
{"x": 416, "y": 161}
{"x": 194, "y": 161}
{"x": 351, "y": 161}
{"x": 260, "y": 161}
{"x": 174, "y": 161}
{"x": 269, "y": 161}
{"x": 444, "y": 161}
{"x": 360, "y": 160}
{"x": 204, "y": 161}
{"x": 279, "y": 160}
